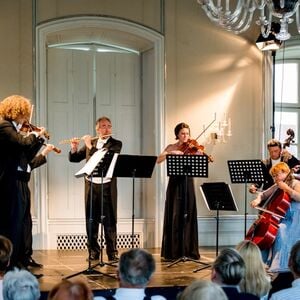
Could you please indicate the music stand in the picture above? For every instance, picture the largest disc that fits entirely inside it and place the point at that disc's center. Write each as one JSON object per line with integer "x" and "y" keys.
{"x": 246, "y": 171}
{"x": 218, "y": 196}
{"x": 97, "y": 166}
{"x": 188, "y": 166}
{"x": 134, "y": 166}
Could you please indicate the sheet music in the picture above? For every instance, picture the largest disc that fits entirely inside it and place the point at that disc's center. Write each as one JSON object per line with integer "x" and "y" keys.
{"x": 111, "y": 168}
{"x": 91, "y": 164}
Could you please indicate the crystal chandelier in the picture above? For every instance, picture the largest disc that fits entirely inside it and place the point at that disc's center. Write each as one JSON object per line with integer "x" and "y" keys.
{"x": 237, "y": 15}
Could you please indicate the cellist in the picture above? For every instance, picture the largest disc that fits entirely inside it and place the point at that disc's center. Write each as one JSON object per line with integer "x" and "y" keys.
{"x": 289, "y": 226}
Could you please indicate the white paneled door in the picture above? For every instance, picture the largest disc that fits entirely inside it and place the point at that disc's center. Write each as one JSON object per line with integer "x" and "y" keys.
{"x": 82, "y": 86}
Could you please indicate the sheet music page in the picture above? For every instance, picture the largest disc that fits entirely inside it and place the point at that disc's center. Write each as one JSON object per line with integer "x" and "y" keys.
{"x": 111, "y": 168}
{"x": 91, "y": 164}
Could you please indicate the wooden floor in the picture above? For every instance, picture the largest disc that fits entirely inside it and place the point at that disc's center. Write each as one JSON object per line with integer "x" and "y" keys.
{"x": 59, "y": 264}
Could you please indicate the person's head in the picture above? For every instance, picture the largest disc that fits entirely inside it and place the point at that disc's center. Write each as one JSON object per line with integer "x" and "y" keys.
{"x": 274, "y": 148}
{"x": 182, "y": 132}
{"x": 103, "y": 127}
{"x": 136, "y": 267}
{"x": 294, "y": 260}
{"x": 280, "y": 172}
{"x": 228, "y": 268}
{"x": 6, "y": 249}
{"x": 20, "y": 285}
{"x": 71, "y": 290}
{"x": 203, "y": 289}
{"x": 250, "y": 253}
{"x": 15, "y": 108}
{"x": 255, "y": 281}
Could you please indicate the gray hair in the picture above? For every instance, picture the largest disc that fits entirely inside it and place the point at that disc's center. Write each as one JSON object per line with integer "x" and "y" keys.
{"x": 20, "y": 285}
{"x": 230, "y": 266}
{"x": 136, "y": 267}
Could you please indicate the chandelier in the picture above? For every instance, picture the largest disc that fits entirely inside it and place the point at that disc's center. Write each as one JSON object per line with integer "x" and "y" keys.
{"x": 237, "y": 15}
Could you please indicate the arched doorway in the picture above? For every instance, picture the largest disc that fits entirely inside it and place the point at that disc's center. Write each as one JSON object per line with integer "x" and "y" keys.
{"x": 73, "y": 88}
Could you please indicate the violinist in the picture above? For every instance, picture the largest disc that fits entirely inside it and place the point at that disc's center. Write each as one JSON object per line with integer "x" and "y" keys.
{"x": 174, "y": 211}
{"x": 14, "y": 110}
{"x": 109, "y": 186}
{"x": 288, "y": 232}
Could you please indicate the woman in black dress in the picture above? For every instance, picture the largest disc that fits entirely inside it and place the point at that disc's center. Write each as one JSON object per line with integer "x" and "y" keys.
{"x": 180, "y": 235}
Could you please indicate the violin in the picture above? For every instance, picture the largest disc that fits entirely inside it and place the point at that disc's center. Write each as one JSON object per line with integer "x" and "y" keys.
{"x": 192, "y": 147}
{"x": 28, "y": 127}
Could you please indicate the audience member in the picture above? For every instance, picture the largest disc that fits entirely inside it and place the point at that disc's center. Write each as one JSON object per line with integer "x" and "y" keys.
{"x": 6, "y": 249}
{"x": 203, "y": 289}
{"x": 292, "y": 293}
{"x": 256, "y": 280}
{"x": 71, "y": 290}
{"x": 20, "y": 285}
{"x": 228, "y": 270}
{"x": 136, "y": 267}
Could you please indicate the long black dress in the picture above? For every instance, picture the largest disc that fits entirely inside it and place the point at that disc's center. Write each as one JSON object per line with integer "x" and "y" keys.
{"x": 180, "y": 235}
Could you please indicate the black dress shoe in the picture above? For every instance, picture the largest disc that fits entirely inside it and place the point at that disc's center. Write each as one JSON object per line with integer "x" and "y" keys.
{"x": 33, "y": 264}
{"x": 93, "y": 256}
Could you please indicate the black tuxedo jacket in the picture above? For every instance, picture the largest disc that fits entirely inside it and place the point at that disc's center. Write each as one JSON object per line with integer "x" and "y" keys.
{"x": 85, "y": 153}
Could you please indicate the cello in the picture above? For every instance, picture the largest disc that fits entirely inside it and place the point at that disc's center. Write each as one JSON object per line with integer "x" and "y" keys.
{"x": 264, "y": 230}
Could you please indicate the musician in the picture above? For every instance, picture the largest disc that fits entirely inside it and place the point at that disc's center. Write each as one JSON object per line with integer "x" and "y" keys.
{"x": 14, "y": 111}
{"x": 288, "y": 232}
{"x": 28, "y": 162}
{"x": 104, "y": 131}
{"x": 175, "y": 227}
{"x": 276, "y": 155}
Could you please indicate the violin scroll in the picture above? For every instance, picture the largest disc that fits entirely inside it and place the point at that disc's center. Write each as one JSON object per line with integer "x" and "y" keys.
{"x": 290, "y": 139}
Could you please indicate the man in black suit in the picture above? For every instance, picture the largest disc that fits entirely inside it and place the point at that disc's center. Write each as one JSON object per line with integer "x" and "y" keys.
{"x": 14, "y": 111}
{"x": 104, "y": 141}
{"x": 228, "y": 270}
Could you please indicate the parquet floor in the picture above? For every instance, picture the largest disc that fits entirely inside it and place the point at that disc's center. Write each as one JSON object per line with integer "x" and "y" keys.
{"x": 59, "y": 264}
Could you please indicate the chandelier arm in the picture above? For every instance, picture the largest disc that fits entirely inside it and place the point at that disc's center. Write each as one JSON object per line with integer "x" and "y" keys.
{"x": 218, "y": 15}
{"x": 265, "y": 23}
{"x": 244, "y": 23}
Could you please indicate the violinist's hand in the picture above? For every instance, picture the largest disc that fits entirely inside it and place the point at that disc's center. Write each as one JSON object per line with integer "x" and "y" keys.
{"x": 255, "y": 202}
{"x": 74, "y": 144}
{"x": 176, "y": 152}
{"x": 49, "y": 148}
{"x": 253, "y": 189}
{"x": 41, "y": 131}
{"x": 88, "y": 141}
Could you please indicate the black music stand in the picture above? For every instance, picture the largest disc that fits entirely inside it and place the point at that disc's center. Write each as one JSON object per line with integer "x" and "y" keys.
{"x": 95, "y": 167}
{"x": 218, "y": 196}
{"x": 134, "y": 166}
{"x": 246, "y": 171}
{"x": 188, "y": 166}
